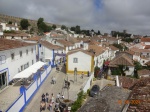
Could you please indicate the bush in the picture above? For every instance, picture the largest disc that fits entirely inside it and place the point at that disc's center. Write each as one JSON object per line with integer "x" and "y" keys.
{"x": 78, "y": 103}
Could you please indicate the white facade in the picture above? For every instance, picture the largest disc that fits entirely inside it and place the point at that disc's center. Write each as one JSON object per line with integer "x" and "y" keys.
{"x": 13, "y": 64}
{"x": 11, "y": 27}
{"x": 16, "y": 37}
{"x": 83, "y": 62}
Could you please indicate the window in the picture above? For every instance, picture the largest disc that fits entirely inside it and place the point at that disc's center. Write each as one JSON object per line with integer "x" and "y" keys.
{"x": 75, "y": 60}
{"x": 32, "y": 50}
{"x": 27, "y": 51}
{"x": 20, "y": 53}
{"x": 32, "y": 62}
{"x": 12, "y": 56}
{"x": 22, "y": 68}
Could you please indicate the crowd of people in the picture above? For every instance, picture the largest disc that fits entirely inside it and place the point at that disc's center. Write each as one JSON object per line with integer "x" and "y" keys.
{"x": 48, "y": 102}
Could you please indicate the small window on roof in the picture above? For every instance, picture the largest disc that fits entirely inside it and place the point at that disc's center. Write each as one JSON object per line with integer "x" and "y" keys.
{"x": 27, "y": 51}
{"x": 12, "y": 56}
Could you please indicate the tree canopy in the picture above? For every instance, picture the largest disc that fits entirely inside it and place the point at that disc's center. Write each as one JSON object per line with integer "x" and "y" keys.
{"x": 63, "y": 27}
{"x": 54, "y": 26}
{"x": 24, "y": 24}
{"x": 42, "y": 26}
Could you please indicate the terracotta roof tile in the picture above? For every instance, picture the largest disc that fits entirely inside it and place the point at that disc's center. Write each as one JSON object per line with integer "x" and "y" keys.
{"x": 84, "y": 51}
{"x": 113, "y": 48}
{"x": 6, "y": 44}
{"x": 122, "y": 60}
{"x": 50, "y": 46}
{"x": 146, "y": 39}
{"x": 97, "y": 49}
{"x": 141, "y": 92}
{"x": 64, "y": 42}
{"x": 37, "y": 38}
{"x": 143, "y": 72}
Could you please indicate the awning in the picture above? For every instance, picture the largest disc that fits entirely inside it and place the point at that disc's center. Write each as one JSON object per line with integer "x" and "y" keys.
{"x": 30, "y": 70}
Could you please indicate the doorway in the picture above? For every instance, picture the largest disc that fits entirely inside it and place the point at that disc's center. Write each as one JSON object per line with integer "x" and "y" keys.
{"x": 3, "y": 80}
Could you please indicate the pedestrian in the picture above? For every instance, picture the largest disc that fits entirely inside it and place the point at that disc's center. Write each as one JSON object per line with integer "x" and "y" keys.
{"x": 50, "y": 106}
{"x": 43, "y": 97}
{"x": 82, "y": 75}
{"x": 62, "y": 96}
{"x": 57, "y": 106}
{"x": 88, "y": 74}
{"x": 47, "y": 96}
{"x": 52, "y": 98}
{"x": 54, "y": 80}
{"x": 58, "y": 95}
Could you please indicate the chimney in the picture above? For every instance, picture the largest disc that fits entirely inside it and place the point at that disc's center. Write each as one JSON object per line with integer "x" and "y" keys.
{"x": 117, "y": 81}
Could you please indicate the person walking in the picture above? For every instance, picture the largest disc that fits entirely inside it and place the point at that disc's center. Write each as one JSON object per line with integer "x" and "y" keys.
{"x": 82, "y": 75}
{"x": 52, "y": 82}
{"x": 50, "y": 106}
{"x": 54, "y": 79}
{"x": 47, "y": 98}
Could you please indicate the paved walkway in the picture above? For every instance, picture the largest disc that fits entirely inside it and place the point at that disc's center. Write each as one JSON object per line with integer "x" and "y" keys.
{"x": 34, "y": 104}
{"x": 8, "y": 96}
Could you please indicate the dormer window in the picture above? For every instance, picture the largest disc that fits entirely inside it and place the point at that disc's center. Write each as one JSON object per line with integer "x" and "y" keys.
{"x": 27, "y": 51}
{"x": 20, "y": 53}
{"x": 12, "y": 56}
{"x": 32, "y": 50}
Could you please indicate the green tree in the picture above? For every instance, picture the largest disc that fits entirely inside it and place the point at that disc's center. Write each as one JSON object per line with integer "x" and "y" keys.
{"x": 77, "y": 30}
{"x": 54, "y": 26}
{"x": 98, "y": 33}
{"x": 24, "y": 24}
{"x": 40, "y": 20}
{"x": 72, "y": 28}
{"x": 63, "y": 27}
{"x": 10, "y": 22}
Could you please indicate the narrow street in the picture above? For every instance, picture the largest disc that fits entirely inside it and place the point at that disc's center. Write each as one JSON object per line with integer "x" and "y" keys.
{"x": 47, "y": 87}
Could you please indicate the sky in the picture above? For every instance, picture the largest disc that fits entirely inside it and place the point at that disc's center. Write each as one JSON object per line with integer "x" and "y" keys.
{"x": 103, "y": 15}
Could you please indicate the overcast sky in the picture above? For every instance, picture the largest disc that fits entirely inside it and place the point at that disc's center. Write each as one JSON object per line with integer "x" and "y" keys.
{"x": 103, "y": 15}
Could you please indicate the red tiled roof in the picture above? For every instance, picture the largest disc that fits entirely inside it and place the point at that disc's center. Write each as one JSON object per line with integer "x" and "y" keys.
{"x": 141, "y": 93}
{"x": 37, "y": 38}
{"x": 97, "y": 49}
{"x": 127, "y": 82}
{"x": 122, "y": 60}
{"x": 143, "y": 72}
{"x": 113, "y": 48}
{"x": 50, "y": 46}
{"x": 6, "y": 44}
{"x": 84, "y": 51}
{"x": 146, "y": 39}
{"x": 64, "y": 42}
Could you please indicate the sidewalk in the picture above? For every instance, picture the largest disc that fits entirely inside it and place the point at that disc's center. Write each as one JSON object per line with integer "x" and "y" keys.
{"x": 34, "y": 105}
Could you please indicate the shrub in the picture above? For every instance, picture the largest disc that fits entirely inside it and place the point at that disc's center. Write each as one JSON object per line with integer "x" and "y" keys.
{"x": 78, "y": 103}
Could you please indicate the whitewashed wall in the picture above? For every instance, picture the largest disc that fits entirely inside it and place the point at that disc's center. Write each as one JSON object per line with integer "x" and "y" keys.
{"x": 88, "y": 83}
{"x": 84, "y": 62}
{"x": 31, "y": 90}
{"x": 15, "y": 65}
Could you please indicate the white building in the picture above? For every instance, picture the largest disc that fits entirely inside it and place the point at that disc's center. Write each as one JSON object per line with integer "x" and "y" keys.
{"x": 86, "y": 59}
{"x": 82, "y": 60}
{"x": 9, "y": 27}
{"x": 49, "y": 52}
{"x": 15, "y": 56}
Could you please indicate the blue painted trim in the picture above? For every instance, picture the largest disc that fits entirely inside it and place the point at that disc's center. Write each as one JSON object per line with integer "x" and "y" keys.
{"x": 14, "y": 102}
{"x": 21, "y": 110}
{"x": 26, "y": 102}
{"x": 53, "y": 57}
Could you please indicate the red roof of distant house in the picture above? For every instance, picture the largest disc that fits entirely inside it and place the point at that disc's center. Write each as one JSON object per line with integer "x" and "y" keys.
{"x": 146, "y": 39}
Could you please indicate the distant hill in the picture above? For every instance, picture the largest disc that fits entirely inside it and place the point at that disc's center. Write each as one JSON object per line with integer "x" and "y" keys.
{"x": 33, "y": 23}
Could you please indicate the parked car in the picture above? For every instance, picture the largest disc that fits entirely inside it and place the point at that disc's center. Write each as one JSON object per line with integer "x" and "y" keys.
{"x": 94, "y": 90}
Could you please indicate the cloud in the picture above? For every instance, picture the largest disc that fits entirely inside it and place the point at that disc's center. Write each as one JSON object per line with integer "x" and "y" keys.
{"x": 103, "y": 15}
